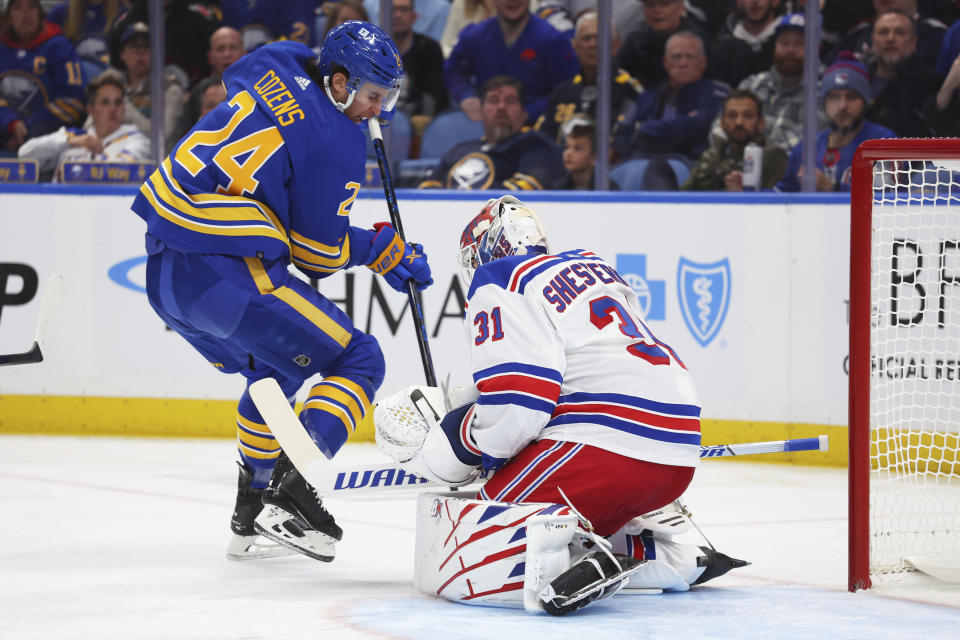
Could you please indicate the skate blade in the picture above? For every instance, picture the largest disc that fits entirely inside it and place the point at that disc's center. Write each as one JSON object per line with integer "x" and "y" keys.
{"x": 255, "y": 548}
{"x": 283, "y": 528}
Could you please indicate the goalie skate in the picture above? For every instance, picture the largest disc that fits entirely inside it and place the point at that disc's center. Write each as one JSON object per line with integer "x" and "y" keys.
{"x": 595, "y": 577}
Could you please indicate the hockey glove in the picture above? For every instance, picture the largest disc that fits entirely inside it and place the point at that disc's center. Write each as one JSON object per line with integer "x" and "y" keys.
{"x": 398, "y": 261}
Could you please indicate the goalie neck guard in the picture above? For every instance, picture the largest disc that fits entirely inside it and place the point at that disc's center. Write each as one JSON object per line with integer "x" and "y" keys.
{"x": 504, "y": 227}
{"x": 368, "y": 54}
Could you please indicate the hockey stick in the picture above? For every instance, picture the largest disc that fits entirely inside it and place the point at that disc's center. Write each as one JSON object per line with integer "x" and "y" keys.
{"x": 416, "y": 309}
{"x": 328, "y": 479}
{"x": 48, "y": 308}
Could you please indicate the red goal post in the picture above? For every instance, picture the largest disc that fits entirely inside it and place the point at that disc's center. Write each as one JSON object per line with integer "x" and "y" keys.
{"x": 904, "y": 400}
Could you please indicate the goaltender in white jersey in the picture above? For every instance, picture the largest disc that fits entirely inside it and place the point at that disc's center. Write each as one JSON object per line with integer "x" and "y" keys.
{"x": 576, "y": 405}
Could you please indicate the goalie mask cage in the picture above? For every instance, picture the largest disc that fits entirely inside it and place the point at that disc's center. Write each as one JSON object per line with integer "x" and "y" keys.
{"x": 904, "y": 393}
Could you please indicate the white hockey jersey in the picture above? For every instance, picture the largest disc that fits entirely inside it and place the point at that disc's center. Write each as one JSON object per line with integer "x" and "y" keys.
{"x": 560, "y": 350}
{"x": 126, "y": 144}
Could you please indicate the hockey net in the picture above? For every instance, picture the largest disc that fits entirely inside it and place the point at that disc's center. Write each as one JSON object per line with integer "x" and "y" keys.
{"x": 904, "y": 394}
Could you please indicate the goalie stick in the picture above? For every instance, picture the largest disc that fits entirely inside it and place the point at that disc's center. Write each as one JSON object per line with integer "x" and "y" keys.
{"x": 48, "y": 307}
{"x": 328, "y": 479}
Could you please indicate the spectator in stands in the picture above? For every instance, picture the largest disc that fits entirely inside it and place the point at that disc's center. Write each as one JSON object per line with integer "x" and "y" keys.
{"x": 780, "y": 88}
{"x": 943, "y": 111}
{"x": 901, "y": 84}
{"x": 675, "y": 116}
{"x": 463, "y": 13}
{"x": 579, "y": 94}
{"x": 41, "y": 82}
{"x": 713, "y": 14}
{"x": 187, "y": 29}
{"x": 580, "y": 156}
{"x": 342, "y": 11}
{"x": 642, "y": 52}
{"x": 212, "y": 93}
{"x": 720, "y": 168}
{"x": 949, "y": 49}
{"x": 845, "y": 94}
{"x": 745, "y": 45}
{"x": 424, "y": 93}
{"x": 506, "y": 157}
{"x": 263, "y": 21}
{"x": 86, "y": 23}
{"x": 431, "y": 20}
{"x": 930, "y": 32}
{"x": 134, "y": 61}
{"x": 513, "y": 43}
{"x": 226, "y": 47}
{"x": 107, "y": 138}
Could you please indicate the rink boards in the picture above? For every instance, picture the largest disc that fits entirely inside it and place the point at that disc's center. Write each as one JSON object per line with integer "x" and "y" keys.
{"x": 750, "y": 290}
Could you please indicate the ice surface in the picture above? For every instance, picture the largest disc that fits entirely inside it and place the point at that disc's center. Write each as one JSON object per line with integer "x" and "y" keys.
{"x": 125, "y": 538}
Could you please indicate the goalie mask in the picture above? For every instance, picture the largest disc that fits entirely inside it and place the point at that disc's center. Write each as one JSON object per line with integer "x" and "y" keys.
{"x": 504, "y": 227}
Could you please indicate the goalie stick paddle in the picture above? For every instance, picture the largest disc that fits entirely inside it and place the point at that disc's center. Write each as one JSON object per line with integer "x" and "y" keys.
{"x": 416, "y": 309}
{"x": 48, "y": 308}
{"x": 330, "y": 480}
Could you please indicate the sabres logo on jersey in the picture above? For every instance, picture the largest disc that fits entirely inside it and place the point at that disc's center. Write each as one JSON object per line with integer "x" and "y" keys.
{"x": 473, "y": 171}
{"x": 704, "y": 294}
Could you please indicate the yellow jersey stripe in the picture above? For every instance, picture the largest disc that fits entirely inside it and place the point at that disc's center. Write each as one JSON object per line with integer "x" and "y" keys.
{"x": 300, "y": 304}
{"x": 353, "y": 387}
{"x": 319, "y": 404}
{"x": 350, "y": 402}
{"x": 267, "y": 444}
{"x": 254, "y": 427}
{"x": 255, "y": 453}
{"x": 251, "y": 211}
{"x": 173, "y": 215}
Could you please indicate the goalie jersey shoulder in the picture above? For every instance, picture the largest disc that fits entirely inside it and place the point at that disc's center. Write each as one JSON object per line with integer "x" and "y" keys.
{"x": 514, "y": 273}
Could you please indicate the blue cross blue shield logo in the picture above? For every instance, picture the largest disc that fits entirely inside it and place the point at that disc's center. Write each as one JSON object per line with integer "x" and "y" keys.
{"x": 704, "y": 294}
{"x": 651, "y": 293}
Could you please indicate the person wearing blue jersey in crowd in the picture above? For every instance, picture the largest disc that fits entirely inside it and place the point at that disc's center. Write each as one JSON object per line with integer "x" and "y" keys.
{"x": 845, "y": 94}
{"x": 41, "y": 80}
{"x": 265, "y": 179}
{"x": 511, "y": 43}
{"x": 263, "y": 21}
{"x": 86, "y": 23}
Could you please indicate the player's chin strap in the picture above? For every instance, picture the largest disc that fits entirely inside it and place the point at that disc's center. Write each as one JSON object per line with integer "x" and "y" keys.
{"x": 341, "y": 106}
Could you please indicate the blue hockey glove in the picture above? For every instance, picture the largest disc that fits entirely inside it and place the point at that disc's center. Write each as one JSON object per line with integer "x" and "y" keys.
{"x": 397, "y": 261}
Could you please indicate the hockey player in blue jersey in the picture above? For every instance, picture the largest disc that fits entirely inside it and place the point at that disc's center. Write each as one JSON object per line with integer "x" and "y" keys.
{"x": 265, "y": 179}
{"x": 41, "y": 81}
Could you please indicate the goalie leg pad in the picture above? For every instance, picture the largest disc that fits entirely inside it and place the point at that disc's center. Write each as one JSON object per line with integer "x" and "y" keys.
{"x": 475, "y": 551}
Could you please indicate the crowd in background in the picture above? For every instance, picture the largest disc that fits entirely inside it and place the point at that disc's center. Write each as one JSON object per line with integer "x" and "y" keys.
{"x": 706, "y": 94}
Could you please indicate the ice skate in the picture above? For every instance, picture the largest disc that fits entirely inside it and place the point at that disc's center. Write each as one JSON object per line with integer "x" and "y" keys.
{"x": 293, "y": 515}
{"x": 246, "y": 544}
{"x": 716, "y": 564}
{"x": 595, "y": 577}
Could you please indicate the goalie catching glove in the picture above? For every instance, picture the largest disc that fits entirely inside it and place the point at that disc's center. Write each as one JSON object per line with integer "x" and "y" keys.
{"x": 398, "y": 261}
{"x": 413, "y": 428}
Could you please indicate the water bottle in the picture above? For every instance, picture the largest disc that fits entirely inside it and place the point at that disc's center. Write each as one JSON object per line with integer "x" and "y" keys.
{"x": 752, "y": 167}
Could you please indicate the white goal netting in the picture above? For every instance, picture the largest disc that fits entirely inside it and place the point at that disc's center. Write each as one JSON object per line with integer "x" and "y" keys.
{"x": 915, "y": 369}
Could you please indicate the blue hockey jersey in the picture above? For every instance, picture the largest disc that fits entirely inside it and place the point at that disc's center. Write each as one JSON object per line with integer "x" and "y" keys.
{"x": 271, "y": 172}
{"x": 41, "y": 82}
